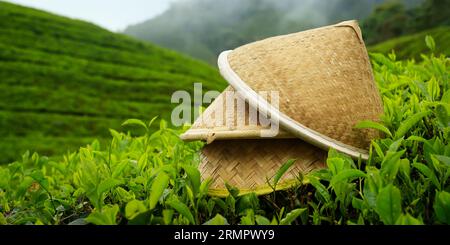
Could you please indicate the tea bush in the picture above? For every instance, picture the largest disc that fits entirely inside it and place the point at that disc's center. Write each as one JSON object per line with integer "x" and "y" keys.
{"x": 153, "y": 178}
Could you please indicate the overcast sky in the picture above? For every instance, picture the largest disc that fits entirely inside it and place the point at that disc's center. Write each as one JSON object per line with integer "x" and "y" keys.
{"x": 114, "y": 15}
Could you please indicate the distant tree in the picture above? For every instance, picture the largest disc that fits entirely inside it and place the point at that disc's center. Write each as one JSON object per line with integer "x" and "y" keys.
{"x": 387, "y": 21}
{"x": 433, "y": 13}
{"x": 392, "y": 19}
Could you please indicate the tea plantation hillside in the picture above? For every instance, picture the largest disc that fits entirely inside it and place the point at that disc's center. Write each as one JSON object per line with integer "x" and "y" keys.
{"x": 411, "y": 46}
{"x": 64, "y": 81}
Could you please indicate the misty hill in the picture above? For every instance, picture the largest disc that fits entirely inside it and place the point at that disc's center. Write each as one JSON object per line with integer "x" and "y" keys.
{"x": 204, "y": 28}
{"x": 65, "y": 82}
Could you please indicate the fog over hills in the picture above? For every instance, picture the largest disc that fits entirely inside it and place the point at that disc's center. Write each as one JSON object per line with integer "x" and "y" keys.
{"x": 203, "y": 28}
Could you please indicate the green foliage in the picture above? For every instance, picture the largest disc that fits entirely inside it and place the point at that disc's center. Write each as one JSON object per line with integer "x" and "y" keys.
{"x": 442, "y": 207}
{"x": 389, "y": 204}
{"x": 374, "y": 125}
{"x": 153, "y": 178}
{"x": 283, "y": 169}
{"x": 105, "y": 216}
{"x": 292, "y": 216}
{"x": 66, "y": 82}
{"x": 149, "y": 179}
{"x": 406, "y": 179}
{"x": 158, "y": 186}
{"x": 217, "y": 220}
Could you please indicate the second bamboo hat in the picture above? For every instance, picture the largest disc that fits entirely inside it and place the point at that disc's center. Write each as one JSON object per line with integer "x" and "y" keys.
{"x": 324, "y": 80}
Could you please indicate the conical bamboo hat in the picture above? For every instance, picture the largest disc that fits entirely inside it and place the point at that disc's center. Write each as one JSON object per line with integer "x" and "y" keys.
{"x": 324, "y": 80}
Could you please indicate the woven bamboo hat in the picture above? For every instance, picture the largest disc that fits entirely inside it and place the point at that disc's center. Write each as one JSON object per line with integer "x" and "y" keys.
{"x": 324, "y": 80}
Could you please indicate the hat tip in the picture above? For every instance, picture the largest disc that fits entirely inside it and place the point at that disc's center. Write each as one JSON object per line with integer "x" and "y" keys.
{"x": 354, "y": 25}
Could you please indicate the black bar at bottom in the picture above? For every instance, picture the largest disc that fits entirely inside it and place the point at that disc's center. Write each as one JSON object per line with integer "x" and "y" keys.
{"x": 226, "y": 234}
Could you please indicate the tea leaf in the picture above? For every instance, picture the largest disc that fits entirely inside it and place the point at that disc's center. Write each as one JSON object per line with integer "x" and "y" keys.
{"x": 292, "y": 216}
{"x": 442, "y": 207}
{"x": 425, "y": 170}
{"x": 429, "y": 41}
{"x": 442, "y": 115}
{"x": 407, "y": 219}
{"x": 135, "y": 122}
{"x": 217, "y": 220}
{"x": 167, "y": 216}
{"x": 405, "y": 168}
{"x": 282, "y": 170}
{"x": 347, "y": 174}
{"x": 406, "y": 125}
{"x": 151, "y": 121}
{"x": 389, "y": 204}
{"x": 107, "y": 185}
{"x": 261, "y": 220}
{"x": 40, "y": 178}
{"x": 390, "y": 164}
{"x": 443, "y": 159}
{"x": 322, "y": 190}
{"x": 374, "y": 125}
{"x": 182, "y": 209}
{"x": 194, "y": 177}
{"x": 433, "y": 89}
{"x": 106, "y": 216}
{"x": 159, "y": 184}
{"x": 134, "y": 208}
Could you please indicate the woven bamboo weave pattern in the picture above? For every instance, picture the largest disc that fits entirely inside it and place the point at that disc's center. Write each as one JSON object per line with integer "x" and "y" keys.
{"x": 323, "y": 76}
{"x": 247, "y": 164}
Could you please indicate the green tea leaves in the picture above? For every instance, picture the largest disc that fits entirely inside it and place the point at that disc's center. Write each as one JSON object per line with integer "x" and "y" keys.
{"x": 443, "y": 159}
{"x": 292, "y": 216}
{"x": 409, "y": 123}
{"x": 106, "y": 216}
{"x": 158, "y": 186}
{"x": 321, "y": 189}
{"x": 217, "y": 220}
{"x": 282, "y": 170}
{"x": 347, "y": 175}
{"x": 374, "y": 125}
{"x": 407, "y": 219}
{"x": 106, "y": 185}
{"x": 40, "y": 178}
{"x": 194, "y": 177}
{"x": 182, "y": 209}
{"x": 442, "y": 207}
{"x": 134, "y": 208}
{"x": 428, "y": 173}
{"x": 135, "y": 122}
{"x": 429, "y": 41}
{"x": 389, "y": 204}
